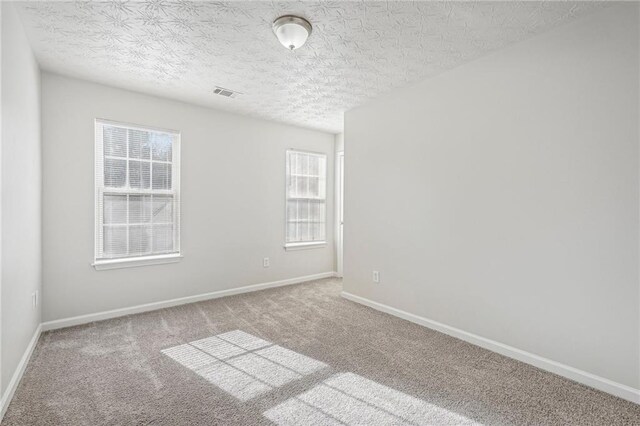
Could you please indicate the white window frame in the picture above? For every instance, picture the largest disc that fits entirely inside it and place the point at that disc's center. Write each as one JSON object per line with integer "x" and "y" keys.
{"x": 145, "y": 260}
{"x": 288, "y": 246}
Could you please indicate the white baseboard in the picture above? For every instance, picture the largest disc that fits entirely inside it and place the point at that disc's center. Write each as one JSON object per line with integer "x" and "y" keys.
{"x": 596, "y": 382}
{"x": 17, "y": 375}
{"x": 99, "y": 316}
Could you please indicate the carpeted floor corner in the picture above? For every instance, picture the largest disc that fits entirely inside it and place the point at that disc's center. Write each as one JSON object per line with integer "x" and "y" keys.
{"x": 294, "y": 355}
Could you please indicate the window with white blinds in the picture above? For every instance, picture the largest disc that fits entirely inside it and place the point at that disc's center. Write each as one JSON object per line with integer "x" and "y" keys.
{"x": 137, "y": 192}
{"x": 306, "y": 198}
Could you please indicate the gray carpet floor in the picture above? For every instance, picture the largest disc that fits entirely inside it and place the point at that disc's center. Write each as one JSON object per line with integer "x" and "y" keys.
{"x": 293, "y": 355}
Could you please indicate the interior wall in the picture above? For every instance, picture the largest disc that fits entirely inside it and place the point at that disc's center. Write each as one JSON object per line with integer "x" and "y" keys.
{"x": 501, "y": 197}
{"x": 232, "y": 200}
{"x": 21, "y": 193}
{"x": 1, "y": 387}
{"x": 340, "y": 142}
{"x": 339, "y": 150}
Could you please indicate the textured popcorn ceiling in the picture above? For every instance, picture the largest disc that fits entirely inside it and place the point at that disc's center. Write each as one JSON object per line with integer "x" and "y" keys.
{"x": 357, "y": 51}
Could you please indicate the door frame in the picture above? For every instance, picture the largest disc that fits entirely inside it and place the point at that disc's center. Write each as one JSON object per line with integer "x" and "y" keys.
{"x": 339, "y": 213}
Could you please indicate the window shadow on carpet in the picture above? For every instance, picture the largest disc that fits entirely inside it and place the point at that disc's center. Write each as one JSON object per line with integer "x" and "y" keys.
{"x": 348, "y": 398}
{"x": 248, "y": 367}
{"x": 241, "y": 364}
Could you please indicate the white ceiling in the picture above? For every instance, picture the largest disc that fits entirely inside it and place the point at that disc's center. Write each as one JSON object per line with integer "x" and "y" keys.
{"x": 357, "y": 51}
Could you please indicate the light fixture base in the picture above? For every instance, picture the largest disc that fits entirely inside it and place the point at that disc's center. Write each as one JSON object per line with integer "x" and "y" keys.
{"x": 292, "y": 31}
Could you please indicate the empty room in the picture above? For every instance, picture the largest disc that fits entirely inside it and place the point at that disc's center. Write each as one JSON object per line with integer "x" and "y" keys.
{"x": 319, "y": 212}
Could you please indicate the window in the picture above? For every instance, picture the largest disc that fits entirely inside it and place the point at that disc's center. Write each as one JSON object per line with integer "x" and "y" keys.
{"x": 306, "y": 199}
{"x": 137, "y": 195}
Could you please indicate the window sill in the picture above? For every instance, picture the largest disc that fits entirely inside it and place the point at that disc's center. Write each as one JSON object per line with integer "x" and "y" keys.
{"x": 133, "y": 262}
{"x": 305, "y": 246}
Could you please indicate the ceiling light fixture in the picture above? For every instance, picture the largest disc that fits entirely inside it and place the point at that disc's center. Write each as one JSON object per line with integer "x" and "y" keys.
{"x": 292, "y": 31}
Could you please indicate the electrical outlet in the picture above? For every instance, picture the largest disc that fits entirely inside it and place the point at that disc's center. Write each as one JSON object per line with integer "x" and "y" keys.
{"x": 265, "y": 262}
{"x": 34, "y": 299}
{"x": 376, "y": 276}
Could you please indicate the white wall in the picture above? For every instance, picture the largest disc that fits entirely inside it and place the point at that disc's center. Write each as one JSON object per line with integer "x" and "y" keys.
{"x": 339, "y": 152}
{"x": 233, "y": 201}
{"x": 21, "y": 193}
{"x": 501, "y": 197}
{"x": 340, "y": 142}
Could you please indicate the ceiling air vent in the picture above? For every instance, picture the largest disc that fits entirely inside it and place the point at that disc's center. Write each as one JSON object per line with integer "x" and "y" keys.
{"x": 227, "y": 93}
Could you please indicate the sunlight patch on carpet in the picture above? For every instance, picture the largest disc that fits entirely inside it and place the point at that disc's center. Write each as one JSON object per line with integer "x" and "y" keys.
{"x": 241, "y": 364}
{"x": 348, "y": 398}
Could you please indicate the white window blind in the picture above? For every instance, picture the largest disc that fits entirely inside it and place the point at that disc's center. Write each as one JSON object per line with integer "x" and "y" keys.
{"x": 306, "y": 197}
{"x": 137, "y": 191}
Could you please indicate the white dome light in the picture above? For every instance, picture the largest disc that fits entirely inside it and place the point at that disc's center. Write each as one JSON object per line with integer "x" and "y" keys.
{"x": 292, "y": 31}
